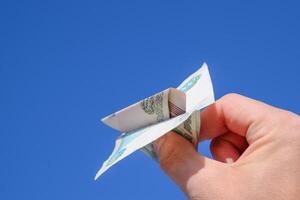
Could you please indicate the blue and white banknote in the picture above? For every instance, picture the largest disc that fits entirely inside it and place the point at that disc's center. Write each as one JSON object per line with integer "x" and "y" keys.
{"x": 172, "y": 109}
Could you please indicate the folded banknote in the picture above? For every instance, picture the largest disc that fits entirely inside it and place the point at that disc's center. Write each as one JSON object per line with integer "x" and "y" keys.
{"x": 174, "y": 109}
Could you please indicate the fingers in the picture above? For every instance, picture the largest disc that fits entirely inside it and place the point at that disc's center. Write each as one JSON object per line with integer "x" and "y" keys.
{"x": 228, "y": 147}
{"x": 224, "y": 151}
{"x": 180, "y": 160}
{"x": 233, "y": 113}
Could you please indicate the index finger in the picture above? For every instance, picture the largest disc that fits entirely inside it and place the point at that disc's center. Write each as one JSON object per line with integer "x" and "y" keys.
{"x": 233, "y": 113}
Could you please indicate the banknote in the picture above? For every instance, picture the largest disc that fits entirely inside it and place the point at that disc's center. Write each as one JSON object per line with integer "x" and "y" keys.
{"x": 189, "y": 129}
{"x": 151, "y": 110}
{"x": 147, "y": 120}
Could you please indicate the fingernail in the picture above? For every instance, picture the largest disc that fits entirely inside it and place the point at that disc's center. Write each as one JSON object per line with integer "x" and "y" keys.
{"x": 229, "y": 160}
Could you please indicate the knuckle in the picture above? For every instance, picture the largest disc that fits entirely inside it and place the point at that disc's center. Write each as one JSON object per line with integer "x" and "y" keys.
{"x": 290, "y": 126}
{"x": 230, "y": 96}
{"x": 292, "y": 119}
{"x": 168, "y": 158}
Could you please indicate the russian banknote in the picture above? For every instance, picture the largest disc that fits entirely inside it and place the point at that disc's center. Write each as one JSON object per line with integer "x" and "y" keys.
{"x": 154, "y": 109}
{"x": 147, "y": 120}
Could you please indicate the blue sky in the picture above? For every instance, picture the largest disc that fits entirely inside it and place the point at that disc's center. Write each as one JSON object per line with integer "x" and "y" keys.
{"x": 66, "y": 64}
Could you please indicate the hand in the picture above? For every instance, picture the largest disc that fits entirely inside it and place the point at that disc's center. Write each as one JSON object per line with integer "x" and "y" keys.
{"x": 262, "y": 141}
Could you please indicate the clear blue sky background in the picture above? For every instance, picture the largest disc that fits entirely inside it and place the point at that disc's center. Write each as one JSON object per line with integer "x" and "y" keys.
{"x": 66, "y": 64}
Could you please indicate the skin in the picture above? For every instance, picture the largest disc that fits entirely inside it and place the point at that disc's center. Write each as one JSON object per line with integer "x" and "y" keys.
{"x": 262, "y": 141}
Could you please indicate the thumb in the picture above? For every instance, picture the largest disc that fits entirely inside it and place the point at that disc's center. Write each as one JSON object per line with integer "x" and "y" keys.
{"x": 180, "y": 160}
